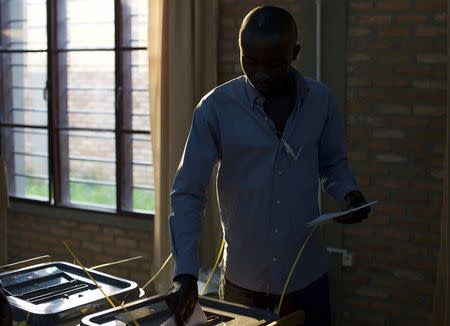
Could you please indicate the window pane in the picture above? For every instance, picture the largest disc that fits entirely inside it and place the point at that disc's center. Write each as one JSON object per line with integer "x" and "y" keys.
{"x": 90, "y": 24}
{"x": 23, "y": 24}
{"x": 136, "y": 101}
{"x": 143, "y": 179}
{"x": 90, "y": 90}
{"x": 26, "y": 155}
{"x": 23, "y": 78}
{"x": 134, "y": 23}
{"x": 91, "y": 168}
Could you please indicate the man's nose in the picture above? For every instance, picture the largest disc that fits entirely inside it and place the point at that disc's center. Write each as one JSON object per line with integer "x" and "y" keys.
{"x": 261, "y": 73}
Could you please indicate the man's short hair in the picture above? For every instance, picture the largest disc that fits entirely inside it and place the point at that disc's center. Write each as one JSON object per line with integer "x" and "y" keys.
{"x": 269, "y": 20}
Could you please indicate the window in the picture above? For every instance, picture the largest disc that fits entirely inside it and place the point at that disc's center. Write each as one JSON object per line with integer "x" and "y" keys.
{"x": 74, "y": 115}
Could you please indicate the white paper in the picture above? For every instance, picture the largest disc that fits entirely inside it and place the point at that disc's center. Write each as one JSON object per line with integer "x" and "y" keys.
{"x": 198, "y": 317}
{"x": 327, "y": 217}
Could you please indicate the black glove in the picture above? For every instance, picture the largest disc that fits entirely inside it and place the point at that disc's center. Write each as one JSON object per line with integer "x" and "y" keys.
{"x": 354, "y": 199}
{"x": 182, "y": 297}
{"x": 5, "y": 311}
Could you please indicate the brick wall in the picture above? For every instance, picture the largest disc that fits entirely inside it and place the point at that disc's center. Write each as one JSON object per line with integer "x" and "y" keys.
{"x": 94, "y": 243}
{"x": 395, "y": 122}
{"x": 396, "y": 97}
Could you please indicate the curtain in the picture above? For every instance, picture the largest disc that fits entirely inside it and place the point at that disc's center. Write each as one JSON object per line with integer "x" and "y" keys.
{"x": 4, "y": 203}
{"x": 441, "y": 309}
{"x": 182, "y": 50}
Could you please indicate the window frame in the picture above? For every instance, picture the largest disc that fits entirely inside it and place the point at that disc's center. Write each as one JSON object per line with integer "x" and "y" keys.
{"x": 58, "y": 155}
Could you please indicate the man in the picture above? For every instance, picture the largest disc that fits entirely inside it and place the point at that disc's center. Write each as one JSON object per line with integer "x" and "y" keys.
{"x": 276, "y": 134}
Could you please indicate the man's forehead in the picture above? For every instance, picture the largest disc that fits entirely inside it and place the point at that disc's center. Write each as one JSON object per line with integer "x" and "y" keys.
{"x": 265, "y": 39}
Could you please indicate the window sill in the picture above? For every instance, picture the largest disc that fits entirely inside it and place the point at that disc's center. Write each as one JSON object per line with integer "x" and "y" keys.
{"x": 101, "y": 218}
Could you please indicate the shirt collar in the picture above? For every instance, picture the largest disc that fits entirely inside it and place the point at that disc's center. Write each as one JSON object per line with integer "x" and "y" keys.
{"x": 301, "y": 85}
{"x": 253, "y": 95}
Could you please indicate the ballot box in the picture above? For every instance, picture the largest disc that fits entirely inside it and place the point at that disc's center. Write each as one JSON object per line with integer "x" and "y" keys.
{"x": 154, "y": 311}
{"x": 60, "y": 293}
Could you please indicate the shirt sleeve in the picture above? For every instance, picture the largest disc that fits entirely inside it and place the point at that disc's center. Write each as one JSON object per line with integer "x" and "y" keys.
{"x": 188, "y": 191}
{"x": 335, "y": 174}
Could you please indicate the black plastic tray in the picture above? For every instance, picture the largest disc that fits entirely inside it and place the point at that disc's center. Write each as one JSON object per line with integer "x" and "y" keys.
{"x": 153, "y": 311}
{"x": 53, "y": 293}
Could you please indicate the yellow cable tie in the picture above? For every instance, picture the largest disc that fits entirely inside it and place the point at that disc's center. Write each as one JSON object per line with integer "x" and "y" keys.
{"x": 292, "y": 269}
{"x": 214, "y": 268}
{"x": 158, "y": 272}
{"x": 89, "y": 275}
{"x": 97, "y": 285}
{"x": 115, "y": 262}
{"x": 135, "y": 322}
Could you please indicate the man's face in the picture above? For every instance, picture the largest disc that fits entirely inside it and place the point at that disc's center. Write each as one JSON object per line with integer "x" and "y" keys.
{"x": 266, "y": 59}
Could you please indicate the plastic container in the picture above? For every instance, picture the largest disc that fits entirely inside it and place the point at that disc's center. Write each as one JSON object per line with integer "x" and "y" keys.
{"x": 153, "y": 311}
{"x": 58, "y": 293}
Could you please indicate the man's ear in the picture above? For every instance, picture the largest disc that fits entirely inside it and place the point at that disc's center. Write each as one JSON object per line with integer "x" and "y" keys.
{"x": 297, "y": 48}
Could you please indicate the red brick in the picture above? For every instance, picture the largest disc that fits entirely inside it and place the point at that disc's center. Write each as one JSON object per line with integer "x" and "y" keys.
{"x": 379, "y": 133}
{"x": 425, "y": 185}
{"x": 375, "y": 19}
{"x": 89, "y": 227}
{"x": 426, "y": 239}
{"x": 441, "y": 18}
{"x": 372, "y": 292}
{"x": 378, "y": 145}
{"x": 395, "y": 235}
{"x": 358, "y": 81}
{"x": 394, "y": 32}
{"x": 361, "y": 5}
{"x": 127, "y": 243}
{"x": 425, "y": 264}
{"x": 393, "y": 5}
{"x": 357, "y": 57}
{"x": 357, "y": 230}
{"x": 411, "y": 18}
{"x": 436, "y": 84}
{"x": 431, "y": 58}
{"x": 430, "y": 31}
{"x": 357, "y": 107}
{"x": 436, "y": 111}
{"x": 357, "y": 156}
{"x": 376, "y": 220}
{"x": 385, "y": 308}
{"x": 390, "y": 209}
{"x": 425, "y": 211}
{"x": 393, "y": 183}
{"x": 358, "y": 31}
{"x": 391, "y": 158}
{"x": 391, "y": 82}
{"x": 372, "y": 246}
{"x": 91, "y": 246}
{"x": 394, "y": 109}
{"x": 357, "y": 132}
{"x": 431, "y": 5}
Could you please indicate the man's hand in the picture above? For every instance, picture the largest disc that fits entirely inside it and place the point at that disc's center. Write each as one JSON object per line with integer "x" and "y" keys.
{"x": 182, "y": 297}
{"x": 354, "y": 199}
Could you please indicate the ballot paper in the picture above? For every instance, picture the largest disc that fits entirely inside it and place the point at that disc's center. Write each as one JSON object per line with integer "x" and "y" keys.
{"x": 327, "y": 217}
{"x": 198, "y": 317}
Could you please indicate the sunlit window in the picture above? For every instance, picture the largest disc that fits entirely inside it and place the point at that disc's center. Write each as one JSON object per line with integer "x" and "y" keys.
{"x": 74, "y": 115}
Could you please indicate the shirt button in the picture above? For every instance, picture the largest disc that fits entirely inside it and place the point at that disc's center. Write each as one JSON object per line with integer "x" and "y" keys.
{"x": 274, "y": 259}
{"x": 276, "y": 230}
{"x": 278, "y": 201}
{"x": 279, "y": 172}
{"x": 266, "y": 118}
